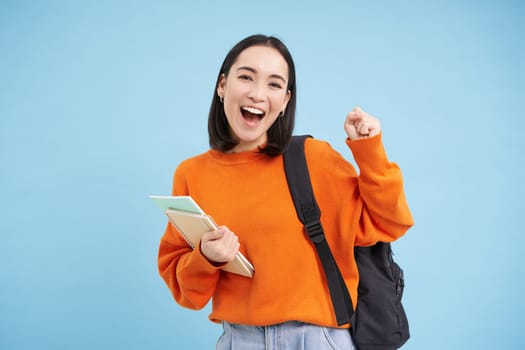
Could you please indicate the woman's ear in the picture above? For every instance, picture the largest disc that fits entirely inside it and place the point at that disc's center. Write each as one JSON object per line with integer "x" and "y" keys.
{"x": 221, "y": 85}
{"x": 286, "y": 100}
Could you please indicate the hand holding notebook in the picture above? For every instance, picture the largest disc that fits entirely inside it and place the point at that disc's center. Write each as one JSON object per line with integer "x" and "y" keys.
{"x": 219, "y": 246}
{"x": 192, "y": 222}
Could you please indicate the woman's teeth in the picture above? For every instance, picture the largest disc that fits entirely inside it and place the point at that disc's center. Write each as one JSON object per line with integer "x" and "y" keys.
{"x": 252, "y": 113}
{"x": 253, "y": 110}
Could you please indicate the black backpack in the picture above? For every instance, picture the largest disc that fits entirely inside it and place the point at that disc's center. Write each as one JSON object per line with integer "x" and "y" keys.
{"x": 379, "y": 321}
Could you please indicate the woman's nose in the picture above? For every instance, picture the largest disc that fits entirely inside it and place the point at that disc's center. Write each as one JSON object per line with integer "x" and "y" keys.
{"x": 256, "y": 93}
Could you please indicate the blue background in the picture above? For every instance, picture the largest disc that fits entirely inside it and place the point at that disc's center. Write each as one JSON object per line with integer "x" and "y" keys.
{"x": 100, "y": 100}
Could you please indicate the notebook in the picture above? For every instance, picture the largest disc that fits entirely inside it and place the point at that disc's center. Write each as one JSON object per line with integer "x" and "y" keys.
{"x": 183, "y": 203}
{"x": 191, "y": 222}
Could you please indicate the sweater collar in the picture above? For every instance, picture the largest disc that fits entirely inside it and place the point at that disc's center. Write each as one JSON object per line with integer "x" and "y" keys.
{"x": 236, "y": 158}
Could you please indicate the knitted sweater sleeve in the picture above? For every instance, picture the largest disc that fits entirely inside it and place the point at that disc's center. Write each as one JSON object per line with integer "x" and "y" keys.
{"x": 385, "y": 214}
{"x": 191, "y": 278}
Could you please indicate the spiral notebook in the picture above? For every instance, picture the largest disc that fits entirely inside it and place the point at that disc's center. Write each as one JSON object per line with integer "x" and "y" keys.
{"x": 191, "y": 222}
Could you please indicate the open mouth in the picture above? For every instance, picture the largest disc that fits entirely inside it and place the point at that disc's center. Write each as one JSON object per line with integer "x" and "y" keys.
{"x": 252, "y": 114}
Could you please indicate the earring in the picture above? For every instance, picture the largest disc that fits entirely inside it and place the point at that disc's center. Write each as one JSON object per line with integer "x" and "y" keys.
{"x": 221, "y": 99}
{"x": 281, "y": 114}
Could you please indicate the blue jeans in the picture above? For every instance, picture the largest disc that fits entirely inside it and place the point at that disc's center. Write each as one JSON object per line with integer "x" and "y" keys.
{"x": 284, "y": 336}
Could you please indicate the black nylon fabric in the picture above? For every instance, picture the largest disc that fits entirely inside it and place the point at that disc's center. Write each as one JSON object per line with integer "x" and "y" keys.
{"x": 380, "y": 319}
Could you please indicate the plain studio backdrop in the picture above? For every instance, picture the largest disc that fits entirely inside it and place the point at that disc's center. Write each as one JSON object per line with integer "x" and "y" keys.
{"x": 100, "y": 100}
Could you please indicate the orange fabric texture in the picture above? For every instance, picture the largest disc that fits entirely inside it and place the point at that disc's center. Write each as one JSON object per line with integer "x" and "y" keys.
{"x": 248, "y": 193}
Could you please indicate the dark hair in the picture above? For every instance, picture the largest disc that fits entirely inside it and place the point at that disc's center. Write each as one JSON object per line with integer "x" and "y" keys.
{"x": 280, "y": 132}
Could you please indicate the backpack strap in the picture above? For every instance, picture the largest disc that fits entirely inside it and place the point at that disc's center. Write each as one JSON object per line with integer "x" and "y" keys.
{"x": 309, "y": 214}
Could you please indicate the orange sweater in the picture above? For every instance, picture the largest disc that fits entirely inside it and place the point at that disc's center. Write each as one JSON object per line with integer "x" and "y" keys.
{"x": 248, "y": 193}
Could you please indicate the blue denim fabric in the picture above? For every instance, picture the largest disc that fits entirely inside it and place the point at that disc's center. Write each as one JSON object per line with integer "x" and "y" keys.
{"x": 284, "y": 336}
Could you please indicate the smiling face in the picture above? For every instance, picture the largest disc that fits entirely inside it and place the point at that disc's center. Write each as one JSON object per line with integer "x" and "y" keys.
{"x": 254, "y": 93}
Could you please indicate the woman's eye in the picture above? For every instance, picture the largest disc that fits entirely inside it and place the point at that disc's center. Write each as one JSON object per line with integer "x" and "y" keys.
{"x": 245, "y": 77}
{"x": 276, "y": 85}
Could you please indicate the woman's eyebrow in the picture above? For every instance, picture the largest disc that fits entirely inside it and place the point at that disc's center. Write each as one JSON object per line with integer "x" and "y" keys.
{"x": 250, "y": 69}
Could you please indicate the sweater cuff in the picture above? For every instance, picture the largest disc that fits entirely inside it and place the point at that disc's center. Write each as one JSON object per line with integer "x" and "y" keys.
{"x": 369, "y": 153}
{"x": 200, "y": 264}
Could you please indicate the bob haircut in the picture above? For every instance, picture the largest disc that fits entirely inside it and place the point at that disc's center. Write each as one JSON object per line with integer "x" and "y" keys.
{"x": 279, "y": 134}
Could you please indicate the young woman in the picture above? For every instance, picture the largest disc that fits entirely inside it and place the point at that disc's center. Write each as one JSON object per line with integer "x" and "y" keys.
{"x": 241, "y": 183}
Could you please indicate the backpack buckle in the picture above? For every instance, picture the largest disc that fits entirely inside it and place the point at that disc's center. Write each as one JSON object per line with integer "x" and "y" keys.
{"x": 314, "y": 230}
